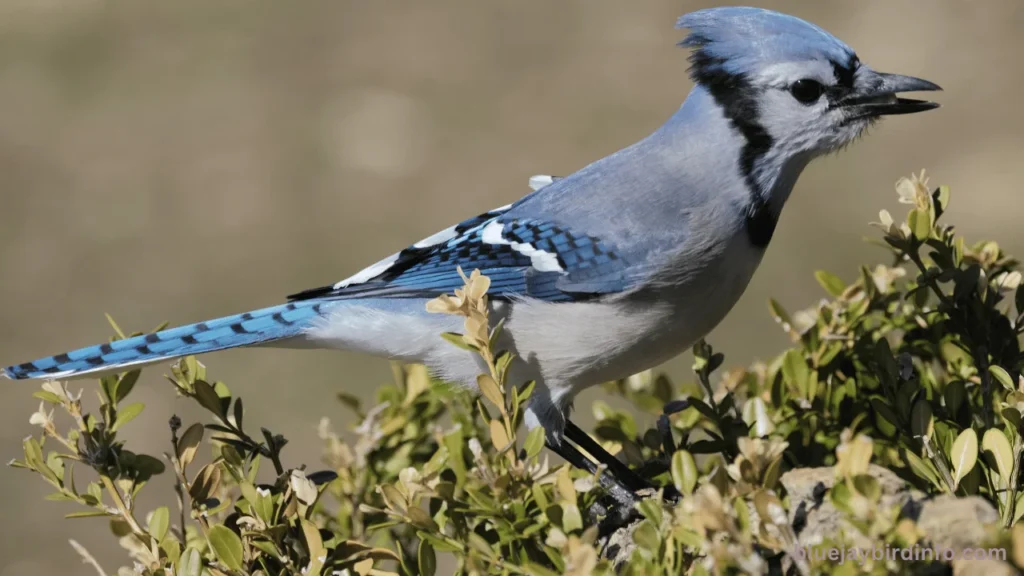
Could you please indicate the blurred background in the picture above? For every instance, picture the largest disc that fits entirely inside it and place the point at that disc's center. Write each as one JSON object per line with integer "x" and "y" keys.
{"x": 184, "y": 160}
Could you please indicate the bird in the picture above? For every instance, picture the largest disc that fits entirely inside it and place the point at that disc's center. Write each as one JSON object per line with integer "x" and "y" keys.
{"x": 607, "y": 271}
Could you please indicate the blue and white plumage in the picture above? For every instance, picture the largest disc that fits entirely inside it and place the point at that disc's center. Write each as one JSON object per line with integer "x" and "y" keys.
{"x": 612, "y": 269}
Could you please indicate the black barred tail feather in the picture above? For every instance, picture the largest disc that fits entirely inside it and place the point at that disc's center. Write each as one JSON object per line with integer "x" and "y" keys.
{"x": 257, "y": 327}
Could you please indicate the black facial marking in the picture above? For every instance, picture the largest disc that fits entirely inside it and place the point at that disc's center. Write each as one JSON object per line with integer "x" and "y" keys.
{"x": 845, "y": 71}
{"x": 760, "y": 221}
{"x": 738, "y": 99}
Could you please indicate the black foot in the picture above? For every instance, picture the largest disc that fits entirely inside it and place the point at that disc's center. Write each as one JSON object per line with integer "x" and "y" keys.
{"x": 627, "y": 475}
{"x": 620, "y": 481}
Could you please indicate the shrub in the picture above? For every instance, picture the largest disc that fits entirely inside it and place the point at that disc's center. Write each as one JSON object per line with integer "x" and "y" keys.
{"x": 913, "y": 366}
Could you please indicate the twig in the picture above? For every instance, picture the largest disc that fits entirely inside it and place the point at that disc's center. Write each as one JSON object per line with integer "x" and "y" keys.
{"x": 179, "y": 485}
{"x": 87, "y": 557}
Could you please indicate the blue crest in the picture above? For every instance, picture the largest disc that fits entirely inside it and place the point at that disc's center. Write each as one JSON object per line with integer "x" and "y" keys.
{"x": 740, "y": 39}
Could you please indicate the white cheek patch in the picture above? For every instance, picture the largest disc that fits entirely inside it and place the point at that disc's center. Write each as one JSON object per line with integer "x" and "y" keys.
{"x": 541, "y": 260}
{"x": 369, "y": 273}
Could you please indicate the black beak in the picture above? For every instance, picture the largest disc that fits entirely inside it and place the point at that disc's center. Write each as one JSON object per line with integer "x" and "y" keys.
{"x": 881, "y": 100}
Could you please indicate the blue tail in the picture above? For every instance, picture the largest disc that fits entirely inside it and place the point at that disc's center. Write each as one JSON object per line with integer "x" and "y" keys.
{"x": 257, "y": 327}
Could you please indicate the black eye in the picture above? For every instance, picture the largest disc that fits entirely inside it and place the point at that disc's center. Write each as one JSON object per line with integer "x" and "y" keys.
{"x": 807, "y": 91}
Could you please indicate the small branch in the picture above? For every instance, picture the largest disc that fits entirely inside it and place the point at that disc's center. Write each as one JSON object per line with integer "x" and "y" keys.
{"x": 87, "y": 557}
{"x": 122, "y": 507}
{"x": 179, "y": 479}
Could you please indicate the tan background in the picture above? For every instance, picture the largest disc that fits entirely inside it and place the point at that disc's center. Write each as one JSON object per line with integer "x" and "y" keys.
{"x": 182, "y": 160}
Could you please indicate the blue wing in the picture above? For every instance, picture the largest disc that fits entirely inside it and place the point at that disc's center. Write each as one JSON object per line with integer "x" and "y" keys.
{"x": 523, "y": 257}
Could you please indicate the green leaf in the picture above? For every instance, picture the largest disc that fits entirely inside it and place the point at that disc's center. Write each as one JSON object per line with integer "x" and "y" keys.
{"x": 172, "y": 548}
{"x": 885, "y": 411}
{"x": 571, "y": 517}
{"x": 830, "y": 282}
{"x": 477, "y": 543}
{"x": 159, "y": 521}
{"x": 205, "y": 483}
{"x": 651, "y": 509}
{"x": 921, "y": 421}
{"x": 868, "y": 486}
{"x": 923, "y": 469}
{"x": 189, "y": 443}
{"x": 126, "y": 382}
{"x": 920, "y": 223}
{"x": 964, "y": 454}
{"x": 421, "y": 519}
{"x": 1003, "y": 377}
{"x": 86, "y": 514}
{"x": 437, "y": 543}
{"x": 941, "y": 198}
{"x": 117, "y": 329}
{"x": 191, "y": 561}
{"x": 208, "y": 398}
{"x": 426, "y": 559}
{"x": 226, "y": 545}
{"x": 315, "y": 545}
{"x": 646, "y": 536}
{"x": 995, "y": 441}
{"x": 534, "y": 442}
{"x": 684, "y": 472}
{"x": 126, "y": 414}
{"x": 954, "y": 396}
{"x": 47, "y": 396}
{"x": 795, "y": 370}
{"x": 239, "y": 412}
{"x": 489, "y": 388}
{"x": 778, "y": 312}
{"x": 456, "y": 339}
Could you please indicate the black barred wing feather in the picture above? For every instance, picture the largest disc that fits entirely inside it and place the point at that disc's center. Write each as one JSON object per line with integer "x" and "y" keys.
{"x": 523, "y": 257}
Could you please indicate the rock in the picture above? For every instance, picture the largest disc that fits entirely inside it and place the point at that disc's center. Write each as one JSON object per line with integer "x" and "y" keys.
{"x": 956, "y": 523}
{"x": 812, "y": 516}
{"x": 947, "y": 522}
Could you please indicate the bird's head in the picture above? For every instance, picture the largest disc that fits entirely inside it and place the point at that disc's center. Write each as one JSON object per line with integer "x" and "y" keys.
{"x": 789, "y": 86}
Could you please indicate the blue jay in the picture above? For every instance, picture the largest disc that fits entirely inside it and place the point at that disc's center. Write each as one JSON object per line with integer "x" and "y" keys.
{"x": 606, "y": 272}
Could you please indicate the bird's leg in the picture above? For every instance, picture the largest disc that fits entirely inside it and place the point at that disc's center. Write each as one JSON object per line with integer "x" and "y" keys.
{"x": 623, "y": 495}
{"x": 624, "y": 473}
{"x": 617, "y": 468}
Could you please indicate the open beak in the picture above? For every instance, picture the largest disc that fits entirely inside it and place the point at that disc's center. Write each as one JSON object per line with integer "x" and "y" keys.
{"x": 881, "y": 100}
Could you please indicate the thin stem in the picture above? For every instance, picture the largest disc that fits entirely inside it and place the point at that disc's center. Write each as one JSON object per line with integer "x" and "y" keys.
{"x": 122, "y": 507}
{"x": 940, "y": 464}
{"x": 931, "y": 282}
{"x": 1011, "y": 484}
{"x": 179, "y": 479}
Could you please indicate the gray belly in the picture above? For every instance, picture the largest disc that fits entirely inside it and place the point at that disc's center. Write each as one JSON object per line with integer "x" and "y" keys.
{"x": 575, "y": 346}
